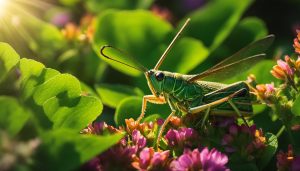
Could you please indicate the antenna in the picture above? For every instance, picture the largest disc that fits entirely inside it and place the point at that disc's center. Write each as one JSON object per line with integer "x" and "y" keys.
{"x": 140, "y": 67}
{"x": 163, "y": 56}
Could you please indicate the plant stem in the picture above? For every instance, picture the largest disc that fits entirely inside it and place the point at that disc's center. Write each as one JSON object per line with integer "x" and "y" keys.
{"x": 280, "y": 131}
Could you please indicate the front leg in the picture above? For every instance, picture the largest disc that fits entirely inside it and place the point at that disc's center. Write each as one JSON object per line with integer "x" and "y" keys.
{"x": 151, "y": 99}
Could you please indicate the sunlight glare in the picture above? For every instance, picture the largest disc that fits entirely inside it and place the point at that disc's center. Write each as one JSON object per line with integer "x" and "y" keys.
{"x": 3, "y": 4}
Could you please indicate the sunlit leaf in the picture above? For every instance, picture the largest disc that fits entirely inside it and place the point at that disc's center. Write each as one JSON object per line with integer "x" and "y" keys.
{"x": 8, "y": 59}
{"x": 63, "y": 104}
{"x": 33, "y": 74}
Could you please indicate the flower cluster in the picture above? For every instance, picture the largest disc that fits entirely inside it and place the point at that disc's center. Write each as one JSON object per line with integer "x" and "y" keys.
{"x": 136, "y": 152}
{"x": 265, "y": 92}
{"x": 82, "y": 32}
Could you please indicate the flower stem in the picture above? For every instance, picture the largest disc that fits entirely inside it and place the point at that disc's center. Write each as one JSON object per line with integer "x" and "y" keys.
{"x": 280, "y": 131}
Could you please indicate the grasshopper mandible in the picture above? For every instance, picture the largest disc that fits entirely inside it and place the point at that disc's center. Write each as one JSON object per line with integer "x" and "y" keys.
{"x": 192, "y": 94}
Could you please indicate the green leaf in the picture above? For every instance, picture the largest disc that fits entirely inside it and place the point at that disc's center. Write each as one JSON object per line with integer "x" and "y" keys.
{"x": 33, "y": 74}
{"x": 131, "y": 107}
{"x": 111, "y": 95}
{"x": 8, "y": 59}
{"x": 12, "y": 115}
{"x": 296, "y": 107}
{"x": 187, "y": 54}
{"x": 246, "y": 32}
{"x": 87, "y": 90}
{"x": 272, "y": 144}
{"x": 142, "y": 38}
{"x": 63, "y": 104}
{"x": 74, "y": 113}
{"x": 214, "y": 22}
{"x": 151, "y": 118}
{"x": 60, "y": 85}
{"x": 128, "y": 108}
{"x": 67, "y": 150}
{"x": 99, "y": 6}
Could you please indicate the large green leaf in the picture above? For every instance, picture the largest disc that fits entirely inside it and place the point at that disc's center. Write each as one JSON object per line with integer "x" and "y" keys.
{"x": 33, "y": 74}
{"x": 8, "y": 59}
{"x": 111, "y": 94}
{"x": 246, "y": 32}
{"x": 214, "y": 22}
{"x": 138, "y": 36}
{"x": 146, "y": 37}
{"x": 65, "y": 150}
{"x": 12, "y": 115}
{"x": 59, "y": 95}
{"x": 63, "y": 85}
{"x": 63, "y": 104}
{"x": 269, "y": 152}
{"x": 128, "y": 108}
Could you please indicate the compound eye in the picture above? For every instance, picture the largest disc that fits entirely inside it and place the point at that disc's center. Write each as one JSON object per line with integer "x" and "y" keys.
{"x": 159, "y": 76}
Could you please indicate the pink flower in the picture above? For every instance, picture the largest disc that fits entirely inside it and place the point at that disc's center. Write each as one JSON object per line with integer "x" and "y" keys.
{"x": 205, "y": 160}
{"x": 181, "y": 137}
{"x": 285, "y": 67}
{"x": 148, "y": 159}
{"x": 138, "y": 139}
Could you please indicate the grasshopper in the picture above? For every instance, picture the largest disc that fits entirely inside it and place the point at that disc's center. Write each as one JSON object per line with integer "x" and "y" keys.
{"x": 191, "y": 94}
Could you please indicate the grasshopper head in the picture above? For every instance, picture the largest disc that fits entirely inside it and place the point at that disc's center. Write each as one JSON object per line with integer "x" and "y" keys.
{"x": 155, "y": 81}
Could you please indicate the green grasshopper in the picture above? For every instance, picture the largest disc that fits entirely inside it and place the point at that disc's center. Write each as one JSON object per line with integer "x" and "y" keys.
{"x": 192, "y": 94}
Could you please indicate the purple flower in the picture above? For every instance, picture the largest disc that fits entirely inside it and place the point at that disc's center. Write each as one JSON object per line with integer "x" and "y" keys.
{"x": 138, "y": 139}
{"x": 150, "y": 160}
{"x": 118, "y": 157}
{"x": 182, "y": 137}
{"x": 61, "y": 19}
{"x": 205, "y": 160}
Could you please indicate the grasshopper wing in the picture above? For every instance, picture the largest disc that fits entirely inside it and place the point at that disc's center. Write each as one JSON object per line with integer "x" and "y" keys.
{"x": 237, "y": 63}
